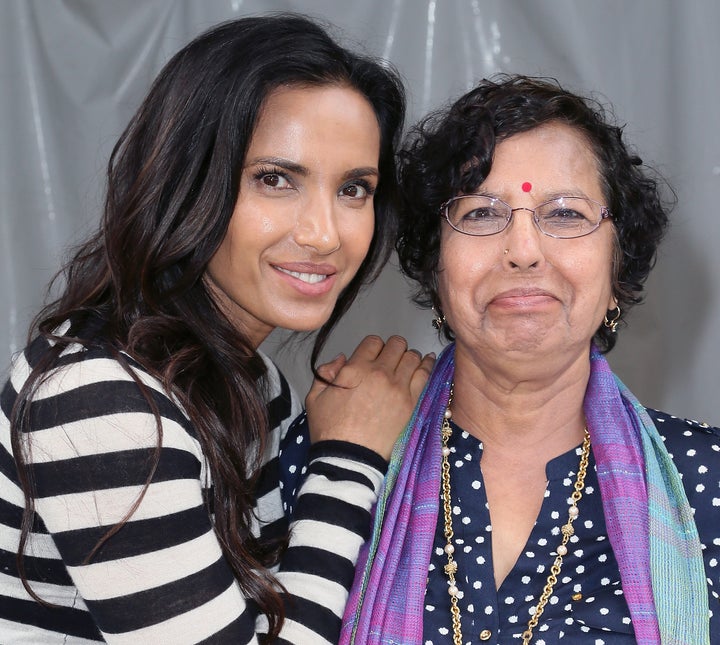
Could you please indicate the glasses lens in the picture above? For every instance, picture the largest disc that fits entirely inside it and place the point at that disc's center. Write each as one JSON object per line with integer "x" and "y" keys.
{"x": 568, "y": 217}
{"x": 477, "y": 215}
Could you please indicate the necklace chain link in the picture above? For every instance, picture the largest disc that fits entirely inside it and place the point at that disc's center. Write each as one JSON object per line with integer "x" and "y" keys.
{"x": 451, "y": 567}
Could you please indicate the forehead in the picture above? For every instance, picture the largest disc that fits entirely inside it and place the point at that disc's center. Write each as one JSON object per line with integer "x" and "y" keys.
{"x": 297, "y": 114}
{"x": 553, "y": 159}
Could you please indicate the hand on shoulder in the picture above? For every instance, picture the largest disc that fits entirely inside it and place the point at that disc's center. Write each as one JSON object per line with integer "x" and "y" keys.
{"x": 368, "y": 399}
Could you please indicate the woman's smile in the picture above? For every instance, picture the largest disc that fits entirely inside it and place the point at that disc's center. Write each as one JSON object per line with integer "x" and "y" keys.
{"x": 307, "y": 278}
{"x": 523, "y": 300}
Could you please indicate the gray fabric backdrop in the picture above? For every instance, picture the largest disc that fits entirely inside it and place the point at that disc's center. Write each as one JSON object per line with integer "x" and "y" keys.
{"x": 72, "y": 73}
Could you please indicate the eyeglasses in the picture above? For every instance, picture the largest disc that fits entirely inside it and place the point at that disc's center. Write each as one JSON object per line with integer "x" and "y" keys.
{"x": 562, "y": 217}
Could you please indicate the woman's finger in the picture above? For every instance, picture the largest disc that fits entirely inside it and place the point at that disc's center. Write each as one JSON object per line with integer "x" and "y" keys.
{"x": 368, "y": 349}
{"x": 392, "y": 353}
{"x": 421, "y": 375}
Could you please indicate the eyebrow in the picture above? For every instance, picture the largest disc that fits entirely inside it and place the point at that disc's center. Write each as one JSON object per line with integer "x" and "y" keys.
{"x": 357, "y": 173}
{"x": 354, "y": 173}
{"x": 565, "y": 193}
{"x": 282, "y": 163}
{"x": 545, "y": 197}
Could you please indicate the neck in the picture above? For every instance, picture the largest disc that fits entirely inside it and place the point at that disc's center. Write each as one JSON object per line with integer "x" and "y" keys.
{"x": 519, "y": 410}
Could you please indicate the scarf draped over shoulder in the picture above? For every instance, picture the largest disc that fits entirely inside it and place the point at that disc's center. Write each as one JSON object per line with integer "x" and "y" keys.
{"x": 649, "y": 521}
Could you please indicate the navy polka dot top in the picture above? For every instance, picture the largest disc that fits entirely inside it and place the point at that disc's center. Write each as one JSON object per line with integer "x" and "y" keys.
{"x": 587, "y": 605}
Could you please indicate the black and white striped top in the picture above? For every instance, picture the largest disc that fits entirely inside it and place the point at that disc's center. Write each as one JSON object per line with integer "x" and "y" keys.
{"x": 162, "y": 579}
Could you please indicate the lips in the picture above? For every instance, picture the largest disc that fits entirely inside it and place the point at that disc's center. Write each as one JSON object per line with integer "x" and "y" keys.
{"x": 308, "y": 278}
{"x": 523, "y": 297}
{"x": 524, "y": 292}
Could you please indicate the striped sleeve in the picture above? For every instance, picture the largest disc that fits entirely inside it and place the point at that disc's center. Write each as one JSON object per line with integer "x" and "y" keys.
{"x": 331, "y": 522}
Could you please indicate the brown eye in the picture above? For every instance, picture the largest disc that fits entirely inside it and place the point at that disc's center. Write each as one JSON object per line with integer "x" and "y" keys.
{"x": 357, "y": 190}
{"x": 271, "y": 180}
{"x": 268, "y": 178}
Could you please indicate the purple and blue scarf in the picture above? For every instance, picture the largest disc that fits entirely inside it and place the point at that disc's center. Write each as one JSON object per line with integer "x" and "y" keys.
{"x": 649, "y": 522}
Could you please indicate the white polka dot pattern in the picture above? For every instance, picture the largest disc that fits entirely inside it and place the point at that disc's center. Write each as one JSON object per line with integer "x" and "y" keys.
{"x": 587, "y": 606}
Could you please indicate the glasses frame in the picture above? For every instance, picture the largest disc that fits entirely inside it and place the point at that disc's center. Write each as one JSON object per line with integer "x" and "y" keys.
{"x": 604, "y": 214}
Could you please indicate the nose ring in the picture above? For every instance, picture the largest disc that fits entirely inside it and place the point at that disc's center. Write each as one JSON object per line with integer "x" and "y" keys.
{"x": 506, "y": 251}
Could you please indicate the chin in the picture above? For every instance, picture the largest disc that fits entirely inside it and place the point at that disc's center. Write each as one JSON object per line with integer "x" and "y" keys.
{"x": 305, "y": 323}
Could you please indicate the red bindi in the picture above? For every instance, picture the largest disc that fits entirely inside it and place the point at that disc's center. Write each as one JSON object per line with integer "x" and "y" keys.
{"x": 527, "y": 187}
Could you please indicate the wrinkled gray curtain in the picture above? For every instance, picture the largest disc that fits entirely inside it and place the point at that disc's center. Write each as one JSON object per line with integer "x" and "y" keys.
{"x": 72, "y": 73}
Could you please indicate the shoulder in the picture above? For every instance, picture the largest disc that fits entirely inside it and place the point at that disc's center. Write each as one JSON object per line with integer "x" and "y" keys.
{"x": 76, "y": 366}
{"x": 101, "y": 380}
{"x": 93, "y": 393}
{"x": 695, "y": 449}
{"x": 681, "y": 434}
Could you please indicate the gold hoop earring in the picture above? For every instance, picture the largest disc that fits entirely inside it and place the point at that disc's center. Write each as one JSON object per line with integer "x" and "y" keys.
{"x": 612, "y": 323}
{"x": 439, "y": 320}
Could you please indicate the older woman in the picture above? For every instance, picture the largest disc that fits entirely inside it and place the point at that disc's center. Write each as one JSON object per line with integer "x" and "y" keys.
{"x": 532, "y": 498}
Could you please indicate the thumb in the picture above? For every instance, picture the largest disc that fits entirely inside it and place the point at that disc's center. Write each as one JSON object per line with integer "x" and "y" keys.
{"x": 330, "y": 370}
{"x": 328, "y": 373}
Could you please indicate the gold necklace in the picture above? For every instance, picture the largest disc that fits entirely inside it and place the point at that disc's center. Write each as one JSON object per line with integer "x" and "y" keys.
{"x": 451, "y": 567}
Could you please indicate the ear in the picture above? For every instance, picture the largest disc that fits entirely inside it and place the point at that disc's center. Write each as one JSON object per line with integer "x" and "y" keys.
{"x": 612, "y": 303}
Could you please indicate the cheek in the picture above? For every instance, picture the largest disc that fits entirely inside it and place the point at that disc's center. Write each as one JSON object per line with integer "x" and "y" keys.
{"x": 221, "y": 261}
{"x": 467, "y": 259}
{"x": 605, "y": 267}
{"x": 444, "y": 273}
{"x": 240, "y": 251}
{"x": 357, "y": 236}
{"x": 590, "y": 273}
{"x": 457, "y": 271}
{"x": 451, "y": 257}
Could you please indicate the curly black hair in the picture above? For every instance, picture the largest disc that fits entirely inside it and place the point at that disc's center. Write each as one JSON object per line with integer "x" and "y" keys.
{"x": 450, "y": 152}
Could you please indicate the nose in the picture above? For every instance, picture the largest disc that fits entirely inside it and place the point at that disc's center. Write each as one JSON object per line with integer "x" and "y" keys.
{"x": 523, "y": 241}
{"x": 317, "y": 225}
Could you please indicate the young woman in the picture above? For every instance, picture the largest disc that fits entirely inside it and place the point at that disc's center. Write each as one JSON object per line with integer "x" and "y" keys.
{"x": 140, "y": 428}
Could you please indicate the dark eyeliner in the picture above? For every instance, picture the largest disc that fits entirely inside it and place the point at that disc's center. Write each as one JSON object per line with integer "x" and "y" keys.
{"x": 263, "y": 171}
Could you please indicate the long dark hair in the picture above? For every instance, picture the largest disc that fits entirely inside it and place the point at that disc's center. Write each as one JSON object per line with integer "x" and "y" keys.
{"x": 172, "y": 183}
{"x": 451, "y": 151}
